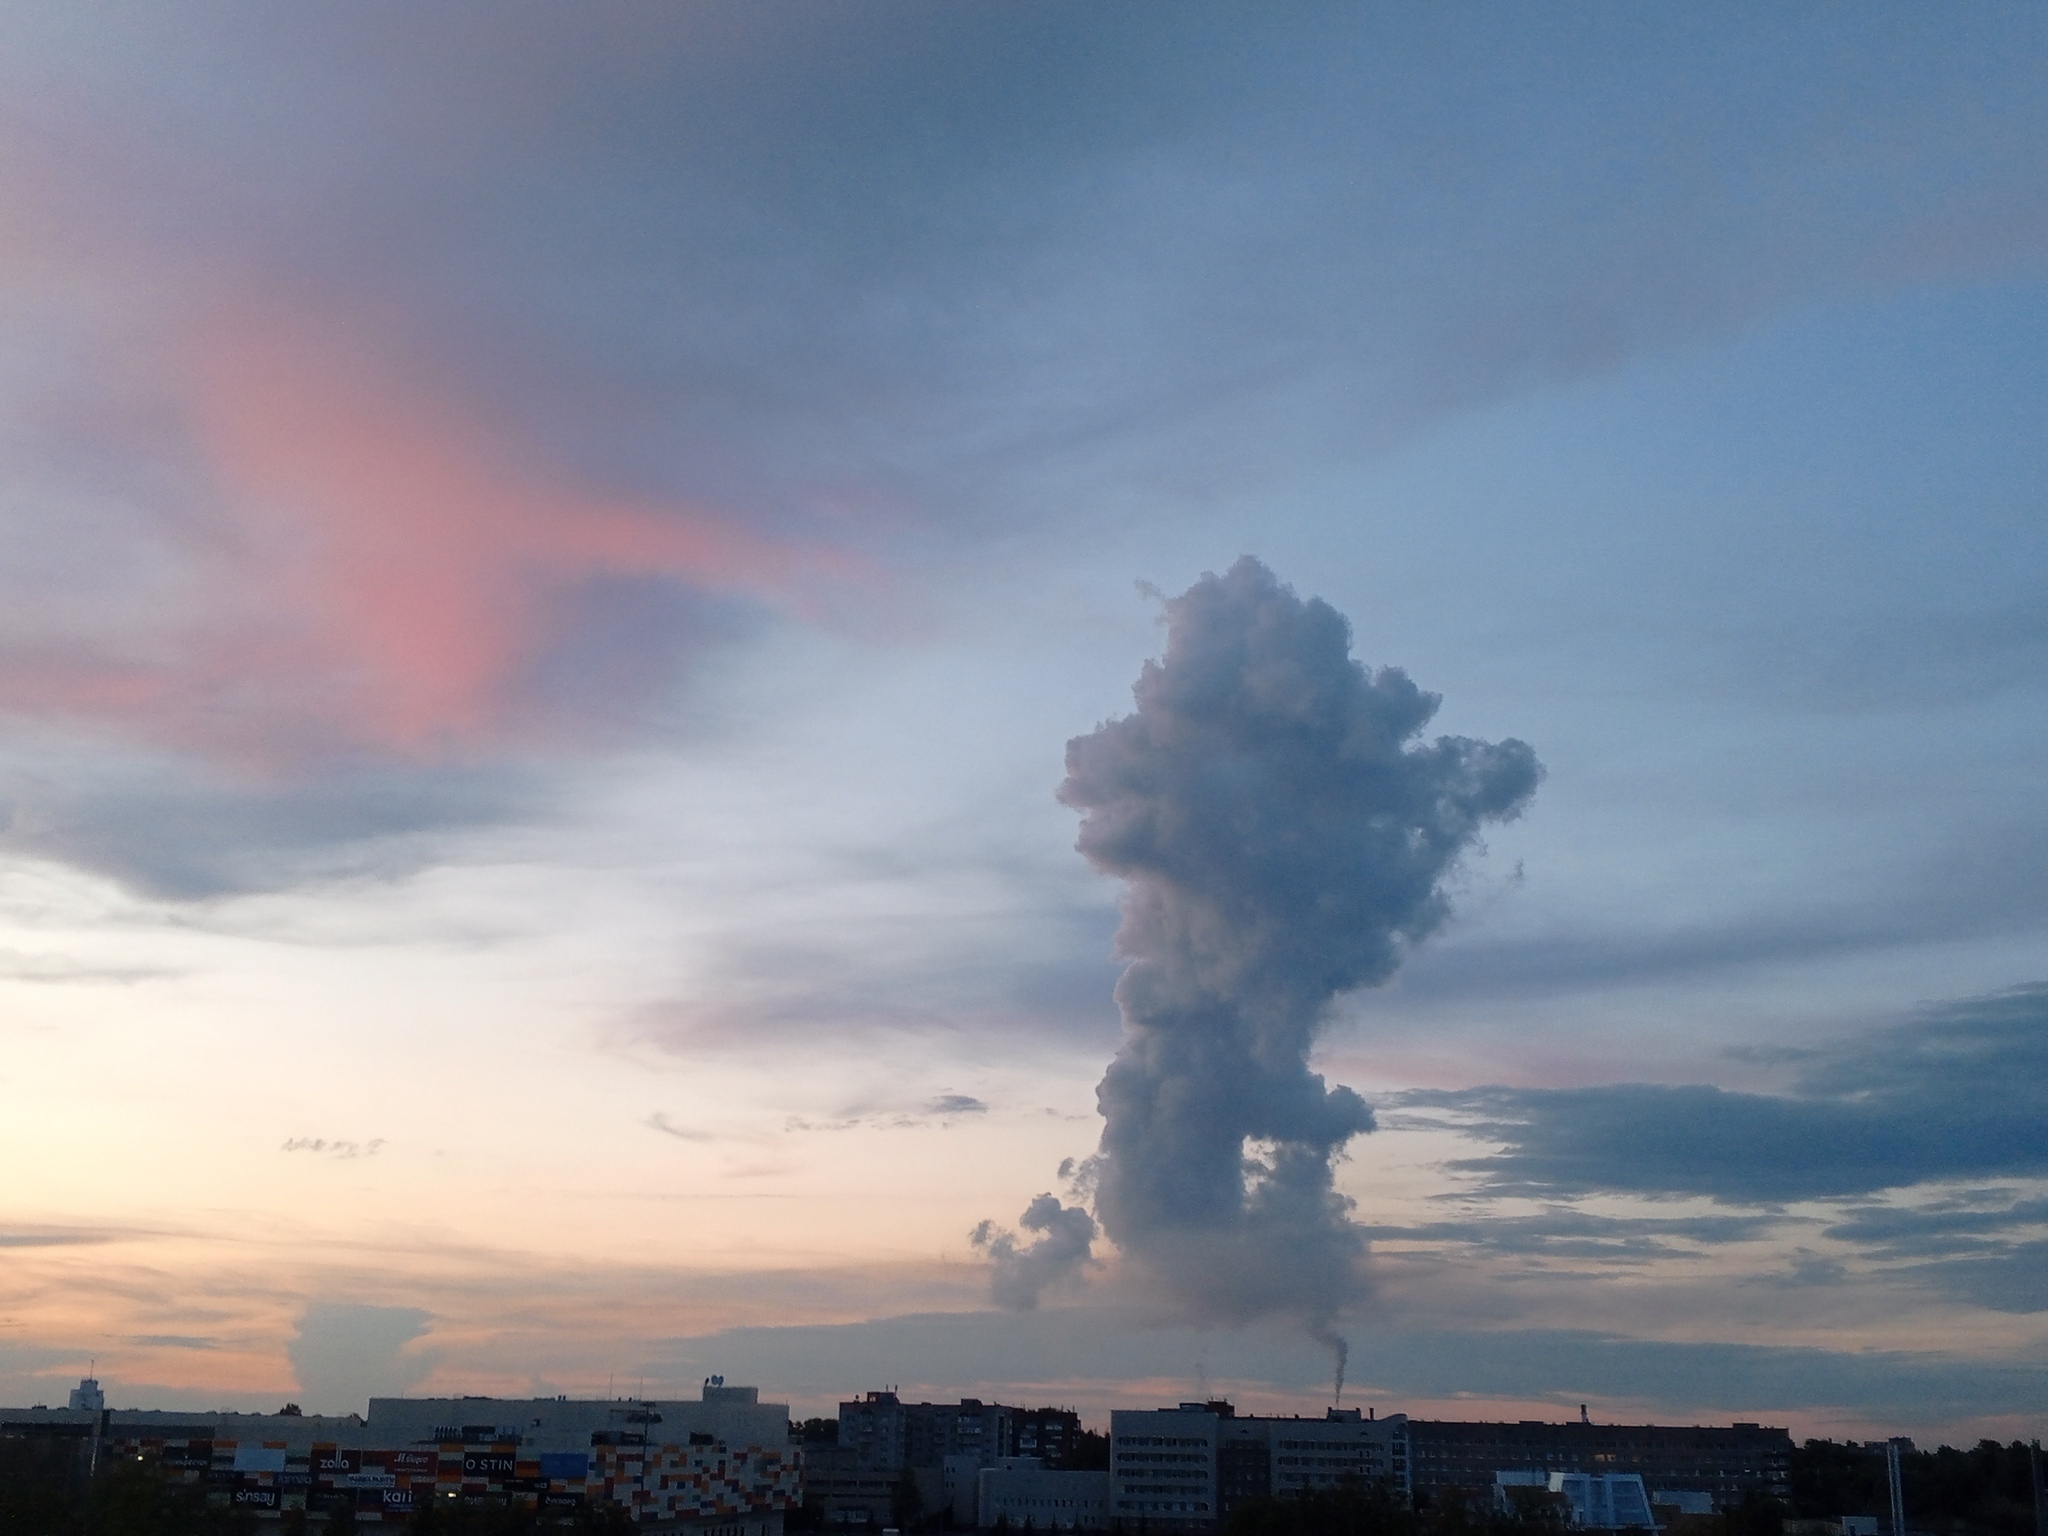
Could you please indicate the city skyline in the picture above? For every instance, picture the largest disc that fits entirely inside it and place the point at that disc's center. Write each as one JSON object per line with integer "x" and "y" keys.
{"x": 572, "y": 580}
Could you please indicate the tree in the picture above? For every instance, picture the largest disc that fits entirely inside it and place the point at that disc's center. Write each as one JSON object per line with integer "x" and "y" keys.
{"x": 1350, "y": 1509}
{"x": 906, "y": 1503}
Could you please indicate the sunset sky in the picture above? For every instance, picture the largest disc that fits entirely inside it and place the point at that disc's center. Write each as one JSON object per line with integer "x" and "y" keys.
{"x": 552, "y": 555}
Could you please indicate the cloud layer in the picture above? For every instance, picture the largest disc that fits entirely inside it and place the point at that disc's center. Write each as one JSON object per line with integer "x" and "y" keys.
{"x": 1960, "y": 1093}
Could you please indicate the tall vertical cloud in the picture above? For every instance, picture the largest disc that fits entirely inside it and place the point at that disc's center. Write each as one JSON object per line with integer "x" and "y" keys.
{"x": 1285, "y": 837}
{"x": 345, "y": 1353}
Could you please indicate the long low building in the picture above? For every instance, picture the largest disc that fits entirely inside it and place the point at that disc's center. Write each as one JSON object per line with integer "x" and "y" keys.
{"x": 721, "y": 1465}
{"x": 1193, "y": 1465}
{"x": 1019, "y": 1497}
{"x": 1190, "y": 1466}
{"x": 1725, "y": 1463}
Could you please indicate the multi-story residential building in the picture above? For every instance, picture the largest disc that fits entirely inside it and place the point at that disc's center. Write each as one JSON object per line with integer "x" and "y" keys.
{"x": 892, "y": 1454}
{"x": 887, "y": 1433}
{"x": 1050, "y": 1434}
{"x": 718, "y": 1466}
{"x": 1726, "y": 1463}
{"x": 1193, "y": 1465}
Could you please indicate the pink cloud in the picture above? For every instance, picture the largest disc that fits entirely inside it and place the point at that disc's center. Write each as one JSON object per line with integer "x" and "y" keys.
{"x": 385, "y": 566}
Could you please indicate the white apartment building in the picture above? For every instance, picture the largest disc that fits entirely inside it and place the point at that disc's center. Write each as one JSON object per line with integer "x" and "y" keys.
{"x": 1192, "y": 1465}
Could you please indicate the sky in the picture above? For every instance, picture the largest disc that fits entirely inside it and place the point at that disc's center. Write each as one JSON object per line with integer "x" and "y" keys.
{"x": 550, "y": 559}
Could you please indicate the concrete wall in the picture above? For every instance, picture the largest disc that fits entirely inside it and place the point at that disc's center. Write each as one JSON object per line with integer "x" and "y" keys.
{"x": 1046, "y": 1501}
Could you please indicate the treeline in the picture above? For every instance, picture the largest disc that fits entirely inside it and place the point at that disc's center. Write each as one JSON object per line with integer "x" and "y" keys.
{"x": 1984, "y": 1491}
{"x": 1374, "y": 1509}
{"x": 1988, "y": 1488}
{"x": 46, "y": 1491}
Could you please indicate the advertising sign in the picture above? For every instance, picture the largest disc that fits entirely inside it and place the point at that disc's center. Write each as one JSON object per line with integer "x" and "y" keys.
{"x": 415, "y": 1462}
{"x": 256, "y": 1458}
{"x": 492, "y": 1464}
{"x": 330, "y": 1461}
{"x": 256, "y": 1498}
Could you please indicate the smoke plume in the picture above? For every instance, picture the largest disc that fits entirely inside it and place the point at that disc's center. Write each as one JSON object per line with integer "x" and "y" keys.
{"x": 1285, "y": 838}
{"x": 1019, "y": 1272}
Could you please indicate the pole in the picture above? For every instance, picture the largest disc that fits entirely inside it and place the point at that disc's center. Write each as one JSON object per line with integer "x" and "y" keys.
{"x": 1891, "y": 1467}
{"x": 2040, "y": 1503}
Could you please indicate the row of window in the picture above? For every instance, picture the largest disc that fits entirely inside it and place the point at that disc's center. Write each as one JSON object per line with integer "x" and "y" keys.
{"x": 1318, "y": 1445}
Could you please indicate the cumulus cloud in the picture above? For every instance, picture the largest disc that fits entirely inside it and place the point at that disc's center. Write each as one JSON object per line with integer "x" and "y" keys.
{"x": 1285, "y": 838}
{"x": 1020, "y": 1272}
{"x": 345, "y": 1353}
{"x": 1959, "y": 1093}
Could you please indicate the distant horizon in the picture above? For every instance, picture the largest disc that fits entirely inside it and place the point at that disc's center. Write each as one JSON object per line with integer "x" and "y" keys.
{"x": 1087, "y": 702}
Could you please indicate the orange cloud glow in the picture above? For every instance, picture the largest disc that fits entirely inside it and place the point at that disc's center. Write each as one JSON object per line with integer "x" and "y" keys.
{"x": 385, "y": 566}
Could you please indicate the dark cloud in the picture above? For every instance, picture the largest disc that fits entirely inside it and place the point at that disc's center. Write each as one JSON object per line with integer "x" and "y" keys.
{"x": 1284, "y": 839}
{"x": 1019, "y": 1273}
{"x": 1959, "y": 1093}
{"x": 170, "y": 829}
{"x": 1950, "y": 1227}
{"x": 1098, "y": 1349}
{"x": 172, "y": 1341}
{"x": 1981, "y": 1246}
{"x": 1568, "y": 1234}
{"x": 955, "y": 1104}
{"x": 2013, "y": 1279}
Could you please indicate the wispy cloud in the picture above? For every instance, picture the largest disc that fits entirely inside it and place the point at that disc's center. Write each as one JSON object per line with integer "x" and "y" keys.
{"x": 1960, "y": 1093}
{"x": 320, "y": 1146}
{"x": 58, "y": 1237}
{"x": 658, "y": 1121}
